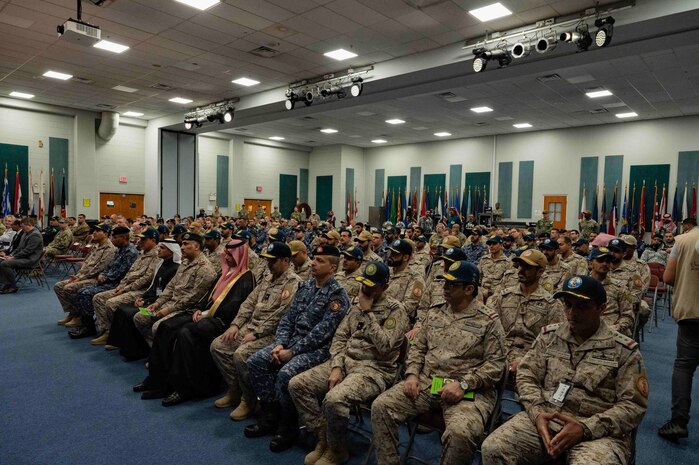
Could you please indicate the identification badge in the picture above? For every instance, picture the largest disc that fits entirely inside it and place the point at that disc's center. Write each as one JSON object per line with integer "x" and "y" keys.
{"x": 559, "y": 396}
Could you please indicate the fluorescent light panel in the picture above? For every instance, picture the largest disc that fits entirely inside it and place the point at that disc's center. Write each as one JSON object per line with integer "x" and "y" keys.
{"x": 522, "y": 125}
{"x": 379, "y": 141}
{"x": 181, "y": 100}
{"x": 598, "y": 93}
{"x": 490, "y": 12}
{"x": 130, "y": 90}
{"x": 276, "y": 138}
{"x": 133, "y": 113}
{"x": 246, "y": 82}
{"x": 57, "y": 75}
{"x": 199, "y": 4}
{"x": 395, "y": 121}
{"x": 21, "y": 95}
{"x": 328, "y": 131}
{"x": 481, "y": 109}
{"x": 442, "y": 134}
{"x": 111, "y": 46}
{"x": 630, "y": 114}
{"x": 340, "y": 54}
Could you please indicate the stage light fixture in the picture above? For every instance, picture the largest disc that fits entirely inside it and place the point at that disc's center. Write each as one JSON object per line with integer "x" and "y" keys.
{"x": 356, "y": 87}
{"x": 188, "y": 124}
{"x": 521, "y": 50}
{"x": 580, "y": 37}
{"x": 546, "y": 44}
{"x": 605, "y": 29}
{"x": 480, "y": 62}
{"x": 332, "y": 90}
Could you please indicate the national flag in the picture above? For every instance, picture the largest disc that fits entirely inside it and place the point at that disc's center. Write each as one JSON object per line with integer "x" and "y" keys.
{"x": 611, "y": 229}
{"x": 603, "y": 219}
{"x": 399, "y": 208}
{"x": 404, "y": 208}
{"x": 63, "y": 195}
{"x": 642, "y": 209}
{"x": 625, "y": 213}
{"x": 594, "y": 206}
{"x": 439, "y": 204}
{"x": 349, "y": 208}
{"x": 415, "y": 204}
{"x": 18, "y": 193}
{"x": 485, "y": 197}
{"x": 675, "y": 211}
{"x": 356, "y": 208}
{"x": 40, "y": 212}
{"x": 383, "y": 199}
{"x": 693, "y": 211}
{"x": 52, "y": 202}
{"x": 583, "y": 204}
{"x": 394, "y": 206}
{"x": 663, "y": 203}
{"x": 6, "y": 203}
{"x": 684, "y": 203}
{"x": 388, "y": 205}
{"x": 423, "y": 205}
{"x": 31, "y": 206}
{"x": 654, "y": 218}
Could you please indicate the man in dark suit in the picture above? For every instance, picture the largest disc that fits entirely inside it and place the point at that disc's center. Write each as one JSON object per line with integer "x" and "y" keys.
{"x": 27, "y": 255}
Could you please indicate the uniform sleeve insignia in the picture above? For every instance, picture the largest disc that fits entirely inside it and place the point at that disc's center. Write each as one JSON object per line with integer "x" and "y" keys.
{"x": 625, "y": 341}
{"x": 335, "y": 305}
{"x": 548, "y": 286}
{"x": 417, "y": 291}
{"x": 285, "y": 294}
{"x": 637, "y": 282}
{"x": 549, "y": 328}
{"x": 390, "y": 323}
{"x": 642, "y": 385}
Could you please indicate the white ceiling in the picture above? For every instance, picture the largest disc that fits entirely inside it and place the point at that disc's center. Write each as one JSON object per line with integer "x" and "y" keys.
{"x": 197, "y": 54}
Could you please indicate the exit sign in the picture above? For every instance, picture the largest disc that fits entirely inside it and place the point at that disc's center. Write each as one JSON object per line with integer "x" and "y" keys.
{"x": 259, "y": 188}
{"x": 122, "y": 179}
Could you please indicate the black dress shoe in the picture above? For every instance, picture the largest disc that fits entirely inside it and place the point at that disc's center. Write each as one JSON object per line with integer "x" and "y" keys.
{"x": 258, "y": 430}
{"x": 82, "y": 332}
{"x": 148, "y": 395}
{"x": 140, "y": 387}
{"x": 174, "y": 399}
{"x": 282, "y": 442}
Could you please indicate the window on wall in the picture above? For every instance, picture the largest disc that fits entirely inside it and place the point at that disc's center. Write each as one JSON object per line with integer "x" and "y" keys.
{"x": 555, "y": 210}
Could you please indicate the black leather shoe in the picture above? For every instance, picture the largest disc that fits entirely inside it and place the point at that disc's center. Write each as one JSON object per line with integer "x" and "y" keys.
{"x": 174, "y": 399}
{"x": 257, "y": 430}
{"x": 82, "y": 332}
{"x": 148, "y": 395}
{"x": 282, "y": 442}
{"x": 140, "y": 387}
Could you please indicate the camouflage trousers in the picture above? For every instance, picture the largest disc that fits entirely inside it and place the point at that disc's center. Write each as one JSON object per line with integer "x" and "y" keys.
{"x": 310, "y": 387}
{"x": 148, "y": 325}
{"x": 465, "y": 423}
{"x": 67, "y": 293}
{"x": 231, "y": 359}
{"x": 106, "y": 303}
{"x": 518, "y": 441}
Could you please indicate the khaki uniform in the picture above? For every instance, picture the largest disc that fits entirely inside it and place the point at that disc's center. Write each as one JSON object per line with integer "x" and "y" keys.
{"x": 433, "y": 295}
{"x": 492, "y": 271}
{"x": 637, "y": 274}
{"x": 576, "y": 263}
{"x": 365, "y": 347}
{"x": 619, "y": 313}
{"x": 544, "y": 226}
{"x": 60, "y": 243}
{"x": 372, "y": 257}
{"x": 80, "y": 231}
{"x": 556, "y": 276}
{"x": 351, "y": 285}
{"x": 259, "y": 315}
{"x": 134, "y": 284}
{"x": 214, "y": 257}
{"x": 296, "y": 216}
{"x": 257, "y": 264}
{"x": 421, "y": 260}
{"x": 523, "y": 317}
{"x": 435, "y": 240}
{"x": 406, "y": 286}
{"x": 275, "y": 215}
{"x": 94, "y": 264}
{"x": 609, "y": 397}
{"x": 465, "y": 346}
{"x": 191, "y": 282}
{"x": 586, "y": 227}
{"x": 304, "y": 271}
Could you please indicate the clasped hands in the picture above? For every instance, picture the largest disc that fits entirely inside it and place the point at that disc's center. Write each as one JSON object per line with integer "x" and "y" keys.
{"x": 571, "y": 434}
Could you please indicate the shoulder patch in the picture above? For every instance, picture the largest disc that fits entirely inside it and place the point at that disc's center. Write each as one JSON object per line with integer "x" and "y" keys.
{"x": 625, "y": 341}
{"x": 335, "y": 305}
{"x": 637, "y": 282}
{"x": 490, "y": 313}
{"x": 548, "y": 286}
{"x": 550, "y": 328}
{"x": 417, "y": 290}
{"x": 390, "y": 323}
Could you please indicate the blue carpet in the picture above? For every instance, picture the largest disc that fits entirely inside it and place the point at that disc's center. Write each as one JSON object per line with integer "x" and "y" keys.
{"x": 66, "y": 402}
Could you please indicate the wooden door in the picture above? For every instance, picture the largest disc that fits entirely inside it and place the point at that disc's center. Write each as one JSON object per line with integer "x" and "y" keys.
{"x": 556, "y": 206}
{"x": 251, "y": 206}
{"x": 128, "y": 205}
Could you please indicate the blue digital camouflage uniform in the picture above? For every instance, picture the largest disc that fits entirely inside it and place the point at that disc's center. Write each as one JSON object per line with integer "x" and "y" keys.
{"x": 306, "y": 329}
{"x": 115, "y": 272}
{"x": 474, "y": 252}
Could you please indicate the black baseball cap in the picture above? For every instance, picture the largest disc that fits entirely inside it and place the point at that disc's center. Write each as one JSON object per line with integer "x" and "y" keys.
{"x": 494, "y": 240}
{"x": 617, "y": 245}
{"x": 580, "y": 242}
{"x": 599, "y": 252}
{"x": 120, "y": 231}
{"x": 149, "y": 233}
{"x": 463, "y": 272}
{"x": 454, "y": 254}
{"x": 353, "y": 252}
{"x": 549, "y": 244}
{"x": 375, "y": 274}
{"x": 104, "y": 227}
{"x": 276, "y": 250}
{"x": 213, "y": 234}
{"x": 190, "y": 236}
{"x": 584, "y": 288}
{"x": 179, "y": 229}
{"x": 326, "y": 250}
{"x": 162, "y": 229}
{"x": 401, "y": 246}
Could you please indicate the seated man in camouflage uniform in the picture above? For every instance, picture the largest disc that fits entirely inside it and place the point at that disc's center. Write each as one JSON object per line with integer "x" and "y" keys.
{"x": 61, "y": 241}
{"x": 299, "y": 259}
{"x": 407, "y": 285}
{"x": 618, "y": 313}
{"x": 492, "y": 267}
{"x": 351, "y": 263}
{"x": 362, "y": 364}
{"x": 461, "y": 345}
{"x": 583, "y": 387}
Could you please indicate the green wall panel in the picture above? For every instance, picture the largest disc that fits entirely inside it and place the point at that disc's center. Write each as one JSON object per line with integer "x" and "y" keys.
{"x": 303, "y": 185}
{"x": 613, "y": 169}
{"x": 222, "y": 180}
{"x": 651, "y": 174}
{"x": 324, "y": 195}
{"x": 58, "y": 162}
{"x": 16, "y": 156}
{"x": 479, "y": 183}
{"x": 505, "y": 188}
{"x": 434, "y": 183}
{"x": 525, "y": 189}
{"x": 588, "y": 181}
{"x": 287, "y": 194}
{"x": 397, "y": 184}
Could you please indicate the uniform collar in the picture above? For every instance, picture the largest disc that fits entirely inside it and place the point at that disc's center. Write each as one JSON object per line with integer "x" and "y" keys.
{"x": 470, "y": 311}
{"x": 602, "y": 339}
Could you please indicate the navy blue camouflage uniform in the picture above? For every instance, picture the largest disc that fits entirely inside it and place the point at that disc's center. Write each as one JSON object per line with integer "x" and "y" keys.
{"x": 115, "y": 272}
{"x": 307, "y": 330}
{"x": 474, "y": 252}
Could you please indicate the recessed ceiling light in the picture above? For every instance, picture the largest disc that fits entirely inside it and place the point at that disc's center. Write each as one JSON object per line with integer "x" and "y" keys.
{"x": 57, "y": 75}
{"x": 181, "y": 100}
{"x": 442, "y": 134}
{"x": 395, "y": 121}
{"x": 379, "y": 141}
{"x": 130, "y": 90}
{"x": 133, "y": 113}
{"x": 276, "y": 138}
{"x": 21, "y": 95}
{"x": 245, "y": 82}
{"x": 199, "y": 4}
{"x": 481, "y": 109}
{"x": 631, "y": 114}
{"x": 490, "y": 12}
{"x": 598, "y": 93}
{"x": 522, "y": 125}
{"x": 340, "y": 54}
{"x": 328, "y": 131}
{"x": 111, "y": 46}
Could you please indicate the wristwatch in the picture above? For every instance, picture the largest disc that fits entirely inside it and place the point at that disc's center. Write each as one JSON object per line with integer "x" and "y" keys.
{"x": 464, "y": 385}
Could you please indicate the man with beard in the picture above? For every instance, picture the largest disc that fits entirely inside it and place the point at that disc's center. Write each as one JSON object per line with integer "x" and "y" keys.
{"x": 577, "y": 264}
{"x": 582, "y": 247}
{"x": 421, "y": 258}
{"x": 655, "y": 253}
{"x": 352, "y": 258}
{"x": 345, "y": 239}
{"x": 629, "y": 269}
{"x": 556, "y": 272}
{"x": 300, "y": 260}
{"x": 618, "y": 313}
{"x": 365, "y": 241}
{"x": 407, "y": 285}
{"x": 475, "y": 249}
{"x": 492, "y": 267}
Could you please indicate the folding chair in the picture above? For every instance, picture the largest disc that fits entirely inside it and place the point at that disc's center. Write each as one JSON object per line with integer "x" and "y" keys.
{"x": 73, "y": 251}
{"x": 33, "y": 274}
{"x": 74, "y": 263}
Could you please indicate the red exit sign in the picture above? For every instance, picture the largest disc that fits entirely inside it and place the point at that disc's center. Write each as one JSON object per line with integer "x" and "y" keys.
{"x": 259, "y": 188}
{"x": 122, "y": 179}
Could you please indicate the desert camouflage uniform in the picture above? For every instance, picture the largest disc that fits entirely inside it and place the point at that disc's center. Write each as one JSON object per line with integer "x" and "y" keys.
{"x": 407, "y": 287}
{"x": 351, "y": 285}
{"x": 304, "y": 271}
{"x": 80, "y": 231}
{"x": 619, "y": 314}
{"x": 465, "y": 346}
{"x": 365, "y": 347}
{"x": 556, "y": 275}
{"x": 214, "y": 257}
{"x": 586, "y": 227}
{"x": 577, "y": 264}
{"x": 259, "y": 315}
{"x": 492, "y": 271}
{"x": 420, "y": 260}
{"x": 637, "y": 274}
{"x": 609, "y": 397}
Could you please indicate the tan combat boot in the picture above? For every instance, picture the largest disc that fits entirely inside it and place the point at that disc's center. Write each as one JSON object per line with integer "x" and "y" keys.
{"x": 75, "y": 322}
{"x": 100, "y": 341}
{"x": 321, "y": 446}
{"x": 65, "y": 320}
{"x": 230, "y": 399}
{"x": 243, "y": 411}
{"x": 334, "y": 456}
